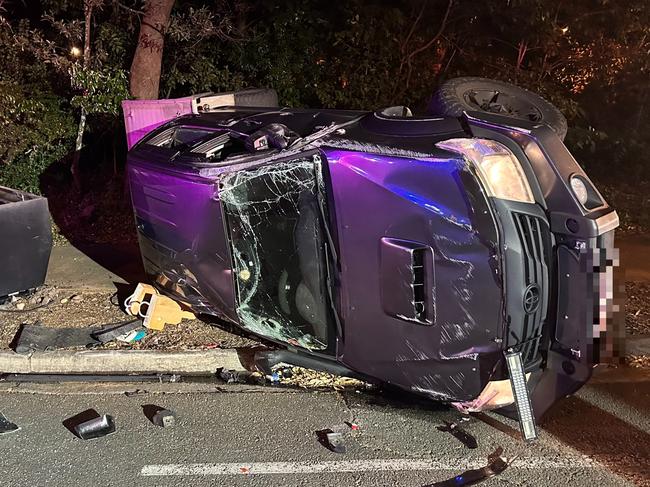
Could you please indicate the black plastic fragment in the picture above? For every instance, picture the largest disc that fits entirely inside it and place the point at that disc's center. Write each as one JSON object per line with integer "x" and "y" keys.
{"x": 33, "y": 338}
{"x": 496, "y": 465}
{"x": 7, "y": 426}
{"x": 332, "y": 440}
{"x": 460, "y": 434}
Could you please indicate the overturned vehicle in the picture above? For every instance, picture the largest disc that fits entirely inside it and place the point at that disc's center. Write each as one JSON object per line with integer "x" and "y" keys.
{"x": 438, "y": 254}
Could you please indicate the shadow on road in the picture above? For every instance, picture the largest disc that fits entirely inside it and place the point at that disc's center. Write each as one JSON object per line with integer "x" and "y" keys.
{"x": 122, "y": 259}
{"x": 623, "y": 448}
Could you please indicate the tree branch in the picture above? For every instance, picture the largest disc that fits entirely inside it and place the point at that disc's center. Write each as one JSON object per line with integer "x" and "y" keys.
{"x": 413, "y": 26}
{"x": 443, "y": 24}
{"x": 426, "y": 46}
{"x": 128, "y": 9}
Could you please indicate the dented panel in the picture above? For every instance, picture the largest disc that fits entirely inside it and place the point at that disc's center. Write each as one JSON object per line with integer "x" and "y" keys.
{"x": 427, "y": 202}
{"x": 181, "y": 233}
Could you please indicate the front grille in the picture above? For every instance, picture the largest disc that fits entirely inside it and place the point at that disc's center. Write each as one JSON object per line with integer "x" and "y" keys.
{"x": 533, "y": 234}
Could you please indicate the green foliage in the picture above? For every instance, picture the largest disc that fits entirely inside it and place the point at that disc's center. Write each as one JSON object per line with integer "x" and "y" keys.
{"x": 195, "y": 57}
{"x": 34, "y": 133}
{"x": 589, "y": 57}
{"x": 112, "y": 45}
{"x": 102, "y": 90}
{"x": 283, "y": 52}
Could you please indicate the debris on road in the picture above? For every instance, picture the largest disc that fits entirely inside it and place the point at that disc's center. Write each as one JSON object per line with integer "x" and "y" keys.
{"x": 26, "y": 302}
{"x": 460, "y": 434}
{"x": 7, "y": 426}
{"x": 496, "y": 465}
{"x": 164, "y": 418}
{"x": 118, "y": 331}
{"x": 89, "y": 424}
{"x": 332, "y": 440}
{"x": 159, "y": 415}
{"x": 96, "y": 428}
{"x": 156, "y": 310}
{"x": 98, "y": 308}
{"x": 33, "y": 338}
{"x": 352, "y": 426}
{"x": 312, "y": 379}
{"x": 231, "y": 376}
{"x": 133, "y": 336}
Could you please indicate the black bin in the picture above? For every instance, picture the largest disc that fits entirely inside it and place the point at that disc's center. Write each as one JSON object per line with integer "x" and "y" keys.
{"x": 25, "y": 241}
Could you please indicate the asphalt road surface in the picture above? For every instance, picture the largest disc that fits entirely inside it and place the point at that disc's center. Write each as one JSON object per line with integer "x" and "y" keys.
{"x": 600, "y": 437}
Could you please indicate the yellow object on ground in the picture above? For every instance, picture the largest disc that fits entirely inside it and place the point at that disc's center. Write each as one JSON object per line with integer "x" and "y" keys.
{"x": 155, "y": 309}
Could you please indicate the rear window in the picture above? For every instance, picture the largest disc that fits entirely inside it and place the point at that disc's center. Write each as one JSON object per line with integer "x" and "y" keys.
{"x": 179, "y": 136}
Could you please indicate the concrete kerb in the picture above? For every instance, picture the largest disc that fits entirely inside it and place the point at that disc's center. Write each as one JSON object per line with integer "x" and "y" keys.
{"x": 188, "y": 362}
{"x": 127, "y": 362}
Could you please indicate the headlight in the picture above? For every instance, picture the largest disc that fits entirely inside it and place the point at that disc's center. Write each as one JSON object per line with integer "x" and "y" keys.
{"x": 580, "y": 190}
{"x": 497, "y": 167}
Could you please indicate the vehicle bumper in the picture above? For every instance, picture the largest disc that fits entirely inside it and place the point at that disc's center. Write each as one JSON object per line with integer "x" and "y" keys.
{"x": 583, "y": 323}
{"x": 588, "y": 328}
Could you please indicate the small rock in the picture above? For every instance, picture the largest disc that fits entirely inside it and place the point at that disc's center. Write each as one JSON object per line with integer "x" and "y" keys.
{"x": 77, "y": 298}
{"x": 64, "y": 300}
{"x": 20, "y": 306}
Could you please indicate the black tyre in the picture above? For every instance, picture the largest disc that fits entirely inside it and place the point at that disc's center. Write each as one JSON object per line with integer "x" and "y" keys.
{"x": 458, "y": 95}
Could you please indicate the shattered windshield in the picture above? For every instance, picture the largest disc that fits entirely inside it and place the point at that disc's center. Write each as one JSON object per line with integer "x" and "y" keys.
{"x": 278, "y": 248}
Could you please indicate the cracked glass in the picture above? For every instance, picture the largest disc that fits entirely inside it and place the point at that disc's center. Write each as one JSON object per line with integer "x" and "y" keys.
{"x": 278, "y": 247}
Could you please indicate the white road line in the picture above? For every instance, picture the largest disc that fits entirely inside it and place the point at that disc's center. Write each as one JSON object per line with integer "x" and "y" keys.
{"x": 394, "y": 465}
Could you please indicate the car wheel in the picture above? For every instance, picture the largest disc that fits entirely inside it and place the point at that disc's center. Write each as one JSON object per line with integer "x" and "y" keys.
{"x": 460, "y": 95}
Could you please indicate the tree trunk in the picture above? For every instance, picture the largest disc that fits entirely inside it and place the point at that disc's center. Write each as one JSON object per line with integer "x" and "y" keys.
{"x": 74, "y": 168}
{"x": 147, "y": 60}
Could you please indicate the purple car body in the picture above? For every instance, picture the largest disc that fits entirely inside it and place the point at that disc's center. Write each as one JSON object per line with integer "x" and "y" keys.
{"x": 367, "y": 245}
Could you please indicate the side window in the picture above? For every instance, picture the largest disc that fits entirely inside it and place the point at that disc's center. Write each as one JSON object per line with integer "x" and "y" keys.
{"x": 278, "y": 248}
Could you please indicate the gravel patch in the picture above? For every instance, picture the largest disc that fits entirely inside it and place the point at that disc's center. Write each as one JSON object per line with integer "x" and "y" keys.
{"x": 60, "y": 309}
{"x": 638, "y": 361}
{"x": 637, "y": 308}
